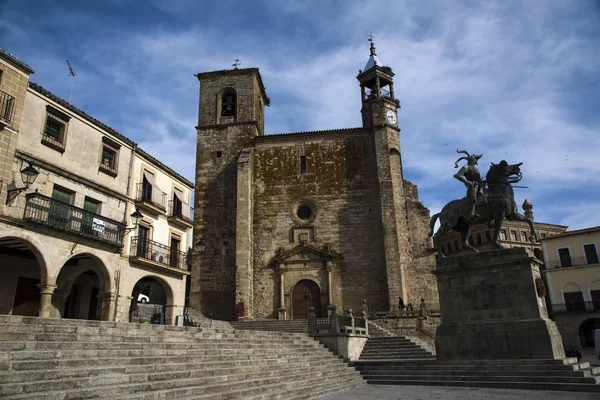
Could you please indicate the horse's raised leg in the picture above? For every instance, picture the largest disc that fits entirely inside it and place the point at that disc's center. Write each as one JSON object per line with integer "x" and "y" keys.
{"x": 515, "y": 216}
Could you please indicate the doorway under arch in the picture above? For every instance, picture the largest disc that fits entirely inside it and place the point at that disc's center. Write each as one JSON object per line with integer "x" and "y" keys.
{"x": 306, "y": 294}
{"x": 149, "y": 300}
{"x": 79, "y": 284}
{"x": 586, "y": 331}
{"x": 21, "y": 271}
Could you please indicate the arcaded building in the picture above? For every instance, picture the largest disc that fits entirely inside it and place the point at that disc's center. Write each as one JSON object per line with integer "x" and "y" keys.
{"x": 287, "y": 221}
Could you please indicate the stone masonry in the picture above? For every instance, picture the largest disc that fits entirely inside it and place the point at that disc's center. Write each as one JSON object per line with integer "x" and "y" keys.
{"x": 296, "y": 219}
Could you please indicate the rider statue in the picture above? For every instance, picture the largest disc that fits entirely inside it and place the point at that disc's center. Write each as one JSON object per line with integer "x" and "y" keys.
{"x": 469, "y": 175}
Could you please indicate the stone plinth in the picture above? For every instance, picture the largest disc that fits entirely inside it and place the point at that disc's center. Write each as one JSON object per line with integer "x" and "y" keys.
{"x": 490, "y": 308}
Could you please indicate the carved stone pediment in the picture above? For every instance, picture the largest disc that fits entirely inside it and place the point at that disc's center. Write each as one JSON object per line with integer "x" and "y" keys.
{"x": 304, "y": 253}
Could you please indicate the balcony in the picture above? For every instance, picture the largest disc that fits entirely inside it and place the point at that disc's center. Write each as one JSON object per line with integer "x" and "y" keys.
{"x": 54, "y": 214}
{"x": 573, "y": 262}
{"x": 156, "y": 254}
{"x": 180, "y": 213}
{"x": 7, "y": 107}
{"x": 150, "y": 198}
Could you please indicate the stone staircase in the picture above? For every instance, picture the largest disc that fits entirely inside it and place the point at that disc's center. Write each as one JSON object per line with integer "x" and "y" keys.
{"x": 394, "y": 348}
{"x": 567, "y": 374}
{"x": 76, "y": 359}
{"x": 273, "y": 325}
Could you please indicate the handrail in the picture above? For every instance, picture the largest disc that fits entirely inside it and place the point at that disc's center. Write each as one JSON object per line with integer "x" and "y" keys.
{"x": 66, "y": 217}
{"x": 7, "y": 106}
{"x": 179, "y": 209}
{"x": 157, "y": 252}
{"x": 151, "y": 194}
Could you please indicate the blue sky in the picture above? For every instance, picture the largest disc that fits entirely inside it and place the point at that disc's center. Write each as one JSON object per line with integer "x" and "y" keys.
{"x": 514, "y": 80}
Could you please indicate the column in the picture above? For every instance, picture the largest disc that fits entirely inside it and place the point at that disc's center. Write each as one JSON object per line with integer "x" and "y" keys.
{"x": 329, "y": 279}
{"x": 108, "y": 306}
{"x": 46, "y": 292}
{"x": 282, "y": 312}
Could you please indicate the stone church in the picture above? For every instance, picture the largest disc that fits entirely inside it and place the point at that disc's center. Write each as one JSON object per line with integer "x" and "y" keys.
{"x": 288, "y": 221}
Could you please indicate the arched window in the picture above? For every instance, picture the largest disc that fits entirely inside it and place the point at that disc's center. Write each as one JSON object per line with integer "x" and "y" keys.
{"x": 228, "y": 103}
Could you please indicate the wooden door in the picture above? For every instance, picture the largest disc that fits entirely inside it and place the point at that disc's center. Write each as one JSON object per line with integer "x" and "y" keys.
{"x": 306, "y": 294}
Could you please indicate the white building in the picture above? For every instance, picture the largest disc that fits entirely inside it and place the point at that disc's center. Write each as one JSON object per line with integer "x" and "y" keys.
{"x": 68, "y": 245}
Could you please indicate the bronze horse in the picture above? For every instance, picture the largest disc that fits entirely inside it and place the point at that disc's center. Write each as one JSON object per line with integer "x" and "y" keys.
{"x": 497, "y": 204}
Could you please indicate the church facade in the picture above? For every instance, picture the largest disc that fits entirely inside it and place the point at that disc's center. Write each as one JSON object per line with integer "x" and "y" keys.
{"x": 288, "y": 221}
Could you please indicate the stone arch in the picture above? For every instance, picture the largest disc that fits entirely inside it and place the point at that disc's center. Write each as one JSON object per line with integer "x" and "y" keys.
{"x": 586, "y": 331}
{"x": 152, "y": 300}
{"x": 83, "y": 283}
{"x": 23, "y": 270}
{"x": 33, "y": 246}
{"x": 227, "y": 103}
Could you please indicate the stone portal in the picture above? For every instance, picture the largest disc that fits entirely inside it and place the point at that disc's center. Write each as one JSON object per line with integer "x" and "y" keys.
{"x": 492, "y": 307}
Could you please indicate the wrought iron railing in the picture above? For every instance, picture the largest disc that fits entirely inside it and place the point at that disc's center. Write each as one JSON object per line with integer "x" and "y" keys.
{"x": 158, "y": 252}
{"x": 151, "y": 194}
{"x": 66, "y": 217}
{"x": 178, "y": 209}
{"x": 576, "y": 306}
{"x": 573, "y": 262}
{"x": 7, "y": 106}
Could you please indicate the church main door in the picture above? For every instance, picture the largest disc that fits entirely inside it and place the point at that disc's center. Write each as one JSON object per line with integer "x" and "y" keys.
{"x": 306, "y": 294}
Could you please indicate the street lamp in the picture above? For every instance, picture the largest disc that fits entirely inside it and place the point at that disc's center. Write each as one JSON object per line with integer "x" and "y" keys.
{"x": 200, "y": 246}
{"x": 136, "y": 216}
{"x": 28, "y": 176}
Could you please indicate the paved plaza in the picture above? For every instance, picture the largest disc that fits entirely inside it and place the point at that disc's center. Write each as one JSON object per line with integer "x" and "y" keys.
{"x": 406, "y": 392}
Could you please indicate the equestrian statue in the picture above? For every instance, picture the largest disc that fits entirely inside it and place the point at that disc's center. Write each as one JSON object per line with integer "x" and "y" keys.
{"x": 490, "y": 200}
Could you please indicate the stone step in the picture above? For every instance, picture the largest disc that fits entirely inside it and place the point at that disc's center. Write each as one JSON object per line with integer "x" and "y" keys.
{"x": 78, "y": 363}
{"x": 373, "y": 372}
{"x": 101, "y": 377}
{"x": 487, "y": 378}
{"x": 396, "y": 350}
{"x": 150, "y": 352}
{"x": 182, "y": 387}
{"x": 204, "y": 343}
{"x": 198, "y": 365}
{"x": 497, "y": 369}
{"x": 509, "y": 362}
{"x": 569, "y": 387}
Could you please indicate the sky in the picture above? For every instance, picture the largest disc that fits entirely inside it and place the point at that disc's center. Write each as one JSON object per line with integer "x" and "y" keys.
{"x": 512, "y": 80}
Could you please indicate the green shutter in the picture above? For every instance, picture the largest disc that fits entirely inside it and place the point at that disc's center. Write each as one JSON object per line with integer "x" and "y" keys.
{"x": 90, "y": 205}
{"x": 61, "y": 195}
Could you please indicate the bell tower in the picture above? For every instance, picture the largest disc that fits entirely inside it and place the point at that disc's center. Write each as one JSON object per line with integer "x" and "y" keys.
{"x": 379, "y": 115}
{"x": 231, "y": 115}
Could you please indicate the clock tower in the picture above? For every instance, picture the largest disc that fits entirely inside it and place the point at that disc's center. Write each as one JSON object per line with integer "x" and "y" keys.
{"x": 379, "y": 116}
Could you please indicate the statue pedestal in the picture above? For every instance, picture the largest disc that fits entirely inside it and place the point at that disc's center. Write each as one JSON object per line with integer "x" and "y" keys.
{"x": 490, "y": 308}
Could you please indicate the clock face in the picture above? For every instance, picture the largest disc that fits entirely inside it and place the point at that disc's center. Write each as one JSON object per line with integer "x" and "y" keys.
{"x": 391, "y": 117}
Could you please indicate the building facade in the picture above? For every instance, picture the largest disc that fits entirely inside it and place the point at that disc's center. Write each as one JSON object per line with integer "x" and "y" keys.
{"x": 68, "y": 245}
{"x": 288, "y": 221}
{"x": 512, "y": 234}
{"x": 572, "y": 272}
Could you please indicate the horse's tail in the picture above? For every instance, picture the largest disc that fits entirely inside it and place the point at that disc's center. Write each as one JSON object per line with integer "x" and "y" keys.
{"x": 432, "y": 222}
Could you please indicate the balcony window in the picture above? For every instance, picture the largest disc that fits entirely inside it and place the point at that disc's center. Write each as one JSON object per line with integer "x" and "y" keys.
{"x": 7, "y": 106}
{"x": 59, "y": 215}
{"x": 169, "y": 256}
{"x": 564, "y": 256}
{"x": 591, "y": 253}
{"x": 513, "y": 236}
{"x": 147, "y": 184}
{"x": 523, "y": 236}
{"x": 88, "y": 225}
{"x": 55, "y": 129}
{"x": 174, "y": 252}
{"x": 502, "y": 234}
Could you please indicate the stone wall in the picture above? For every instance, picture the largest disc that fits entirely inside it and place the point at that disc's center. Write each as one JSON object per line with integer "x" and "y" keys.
{"x": 339, "y": 182}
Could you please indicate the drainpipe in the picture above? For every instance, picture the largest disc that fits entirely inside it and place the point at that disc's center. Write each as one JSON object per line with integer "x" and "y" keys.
{"x": 118, "y": 272}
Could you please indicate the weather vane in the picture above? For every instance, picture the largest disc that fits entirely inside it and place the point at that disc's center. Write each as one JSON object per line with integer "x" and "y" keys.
{"x": 371, "y": 37}
{"x": 237, "y": 63}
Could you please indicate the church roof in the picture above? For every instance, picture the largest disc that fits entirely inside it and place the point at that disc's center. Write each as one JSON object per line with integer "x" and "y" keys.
{"x": 286, "y": 134}
{"x": 373, "y": 59}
